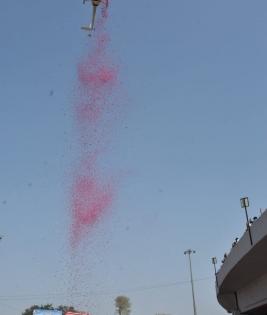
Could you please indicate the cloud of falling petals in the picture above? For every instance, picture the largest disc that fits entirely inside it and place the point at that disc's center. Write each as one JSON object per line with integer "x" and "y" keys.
{"x": 97, "y": 77}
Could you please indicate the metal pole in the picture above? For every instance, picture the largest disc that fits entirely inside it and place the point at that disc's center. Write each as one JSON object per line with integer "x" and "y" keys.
{"x": 215, "y": 272}
{"x": 249, "y": 231}
{"x": 189, "y": 252}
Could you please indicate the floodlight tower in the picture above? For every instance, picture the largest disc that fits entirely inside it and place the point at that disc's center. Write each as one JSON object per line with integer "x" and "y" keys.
{"x": 189, "y": 252}
{"x": 214, "y": 262}
{"x": 245, "y": 204}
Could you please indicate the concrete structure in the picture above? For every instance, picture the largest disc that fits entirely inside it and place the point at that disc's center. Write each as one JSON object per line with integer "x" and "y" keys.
{"x": 242, "y": 278}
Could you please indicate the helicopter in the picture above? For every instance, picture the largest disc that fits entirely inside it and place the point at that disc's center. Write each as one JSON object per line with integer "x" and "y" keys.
{"x": 95, "y": 4}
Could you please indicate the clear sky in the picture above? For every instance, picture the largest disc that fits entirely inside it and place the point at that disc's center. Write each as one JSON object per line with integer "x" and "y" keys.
{"x": 191, "y": 141}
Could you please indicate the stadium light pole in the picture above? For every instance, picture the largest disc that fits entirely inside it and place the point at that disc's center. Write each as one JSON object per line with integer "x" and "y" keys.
{"x": 189, "y": 252}
{"x": 214, "y": 262}
{"x": 245, "y": 204}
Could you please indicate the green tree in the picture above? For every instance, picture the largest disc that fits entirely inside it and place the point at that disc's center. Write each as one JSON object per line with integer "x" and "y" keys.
{"x": 63, "y": 308}
{"x": 66, "y": 309}
{"x": 123, "y": 305}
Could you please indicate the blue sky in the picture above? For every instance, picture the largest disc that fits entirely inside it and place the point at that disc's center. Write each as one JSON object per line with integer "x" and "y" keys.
{"x": 192, "y": 141}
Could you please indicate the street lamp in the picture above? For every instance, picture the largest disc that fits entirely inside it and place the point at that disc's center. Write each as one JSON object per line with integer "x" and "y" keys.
{"x": 214, "y": 262}
{"x": 245, "y": 204}
{"x": 189, "y": 252}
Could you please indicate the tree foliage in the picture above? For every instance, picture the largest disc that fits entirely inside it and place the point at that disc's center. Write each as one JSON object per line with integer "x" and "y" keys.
{"x": 123, "y": 305}
{"x": 63, "y": 308}
{"x": 66, "y": 309}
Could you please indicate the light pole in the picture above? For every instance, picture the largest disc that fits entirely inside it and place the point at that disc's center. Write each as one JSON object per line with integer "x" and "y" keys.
{"x": 245, "y": 204}
{"x": 189, "y": 252}
{"x": 214, "y": 262}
